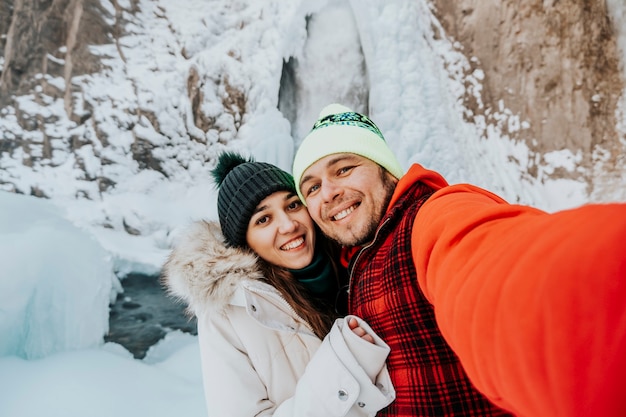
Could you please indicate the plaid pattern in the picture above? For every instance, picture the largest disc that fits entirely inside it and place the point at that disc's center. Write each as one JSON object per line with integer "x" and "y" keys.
{"x": 427, "y": 375}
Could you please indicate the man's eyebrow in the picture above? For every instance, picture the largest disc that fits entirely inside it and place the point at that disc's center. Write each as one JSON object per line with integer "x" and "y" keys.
{"x": 305, "y": 179}
{"x": 331, "y": 162}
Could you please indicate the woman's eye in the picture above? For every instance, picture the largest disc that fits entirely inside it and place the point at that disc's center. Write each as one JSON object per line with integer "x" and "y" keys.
{"x": 294, "y": 205}
{"x": 262, "y": 220}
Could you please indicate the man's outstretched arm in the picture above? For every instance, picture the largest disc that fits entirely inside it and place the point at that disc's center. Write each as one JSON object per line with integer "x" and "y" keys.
{"x": 533, "y": 303}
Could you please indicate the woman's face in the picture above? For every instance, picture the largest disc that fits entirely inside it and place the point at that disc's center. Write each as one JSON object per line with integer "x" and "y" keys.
{"x": 281, "y": 231}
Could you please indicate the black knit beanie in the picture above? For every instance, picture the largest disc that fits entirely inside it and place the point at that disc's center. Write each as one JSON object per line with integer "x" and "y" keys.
{"x": 242, "y": 184}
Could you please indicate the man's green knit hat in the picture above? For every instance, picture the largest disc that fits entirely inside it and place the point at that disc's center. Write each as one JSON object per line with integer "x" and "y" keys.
{"x": 340, "y": 130}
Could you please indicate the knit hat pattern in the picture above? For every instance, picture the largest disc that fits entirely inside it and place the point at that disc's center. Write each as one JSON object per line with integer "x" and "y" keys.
{"x": 243, "y": 183}
{"x": 340, "y": 130}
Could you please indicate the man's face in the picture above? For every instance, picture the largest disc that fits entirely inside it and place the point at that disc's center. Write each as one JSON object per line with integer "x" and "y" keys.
{"x": 347, "y": 196}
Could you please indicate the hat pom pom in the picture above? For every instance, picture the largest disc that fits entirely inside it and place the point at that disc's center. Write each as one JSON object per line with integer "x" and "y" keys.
{"x": 225, "y": 164}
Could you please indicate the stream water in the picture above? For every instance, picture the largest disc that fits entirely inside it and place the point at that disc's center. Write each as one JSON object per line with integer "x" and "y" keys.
{"x": 143, "y": 314}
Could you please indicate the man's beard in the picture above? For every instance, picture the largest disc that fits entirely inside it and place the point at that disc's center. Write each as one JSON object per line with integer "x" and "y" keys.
{"x": 369, "y": 230}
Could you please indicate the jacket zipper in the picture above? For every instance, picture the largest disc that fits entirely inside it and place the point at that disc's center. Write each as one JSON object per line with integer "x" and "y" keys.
{"x": 353, "y": 262}
{"x": 285, "y": 303}
{"x": 363, "y": 249}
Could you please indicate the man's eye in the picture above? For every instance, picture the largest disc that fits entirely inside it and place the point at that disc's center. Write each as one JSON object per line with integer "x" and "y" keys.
{"x": 343, "y": 170}
{"x": 312, "y": 189}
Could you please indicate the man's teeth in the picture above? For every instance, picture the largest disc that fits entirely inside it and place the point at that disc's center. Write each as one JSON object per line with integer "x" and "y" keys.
{"x": 293, "y": 244}
{"x": 344, "y": 213}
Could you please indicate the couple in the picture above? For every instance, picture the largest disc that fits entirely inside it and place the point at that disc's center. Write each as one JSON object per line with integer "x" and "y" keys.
{"x": 484, "y": 306}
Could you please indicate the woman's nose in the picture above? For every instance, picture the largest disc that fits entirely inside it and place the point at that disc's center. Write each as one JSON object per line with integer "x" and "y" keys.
{"x": 287, "y": 224}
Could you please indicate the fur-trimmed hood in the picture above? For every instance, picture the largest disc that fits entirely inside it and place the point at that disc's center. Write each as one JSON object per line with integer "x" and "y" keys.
{"x": 203, "y": 271}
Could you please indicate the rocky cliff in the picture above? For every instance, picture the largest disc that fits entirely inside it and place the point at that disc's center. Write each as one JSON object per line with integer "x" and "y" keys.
{"x": 556, "y": 65}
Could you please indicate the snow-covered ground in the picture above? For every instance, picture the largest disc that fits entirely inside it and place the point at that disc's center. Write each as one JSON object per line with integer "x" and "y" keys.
{"x": 56, "y": 282}
{"x": 60, "y": 264}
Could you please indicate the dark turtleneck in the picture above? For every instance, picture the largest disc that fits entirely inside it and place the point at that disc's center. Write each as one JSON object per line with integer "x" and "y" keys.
{"x": 317, "y": 277}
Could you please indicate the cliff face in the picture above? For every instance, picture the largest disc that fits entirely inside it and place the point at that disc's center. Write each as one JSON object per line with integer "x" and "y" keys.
{"x": 555, "y": 64}
{"x": 49, "y": 50}
{"x": 45, "y": 41}
{"x": 50, "y": 37}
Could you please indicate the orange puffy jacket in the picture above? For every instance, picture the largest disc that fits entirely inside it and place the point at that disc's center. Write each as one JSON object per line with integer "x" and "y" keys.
{"x": 533, "y": 303}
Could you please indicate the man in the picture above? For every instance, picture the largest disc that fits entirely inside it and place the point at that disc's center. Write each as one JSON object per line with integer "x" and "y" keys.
{"x": 484, "y": 304}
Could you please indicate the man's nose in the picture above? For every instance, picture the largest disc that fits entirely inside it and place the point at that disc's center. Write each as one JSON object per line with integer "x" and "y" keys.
{"x": 330, "y": 190}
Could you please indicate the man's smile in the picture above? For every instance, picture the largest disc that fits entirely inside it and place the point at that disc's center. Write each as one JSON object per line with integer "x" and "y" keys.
{"x": 344, "y": 213}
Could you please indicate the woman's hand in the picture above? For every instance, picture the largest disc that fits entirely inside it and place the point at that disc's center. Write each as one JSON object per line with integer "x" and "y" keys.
{"x": 358, "y": 330}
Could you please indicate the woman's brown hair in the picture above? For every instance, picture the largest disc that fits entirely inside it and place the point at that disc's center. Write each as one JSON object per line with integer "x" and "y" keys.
{"x": 319, "y": 316}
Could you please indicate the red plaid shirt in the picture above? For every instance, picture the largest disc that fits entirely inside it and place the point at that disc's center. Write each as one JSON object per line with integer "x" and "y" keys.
{"x": 427, "y": 375}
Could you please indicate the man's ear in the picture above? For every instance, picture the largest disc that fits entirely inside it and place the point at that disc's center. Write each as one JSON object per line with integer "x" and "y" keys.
{"x": 387, "y": 176}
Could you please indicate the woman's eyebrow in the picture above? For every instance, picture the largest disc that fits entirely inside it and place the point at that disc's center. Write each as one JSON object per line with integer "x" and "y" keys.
{"x": 259, "y": 209}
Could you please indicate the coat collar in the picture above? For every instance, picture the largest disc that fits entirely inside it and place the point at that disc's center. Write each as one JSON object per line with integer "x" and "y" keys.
{"x": 204, "y": 272}
{"x": 417, "y": 173}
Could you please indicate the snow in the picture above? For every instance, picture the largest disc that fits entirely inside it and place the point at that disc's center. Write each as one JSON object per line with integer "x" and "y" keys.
{"x": 57, "y": 281}
{"x": 104, "y": 382}
{"x": 56, "y": 285}
{"x": 62, "y": 259}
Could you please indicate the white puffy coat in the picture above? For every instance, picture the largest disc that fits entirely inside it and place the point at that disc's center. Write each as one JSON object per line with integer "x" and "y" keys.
{"x": 258, "y": 357}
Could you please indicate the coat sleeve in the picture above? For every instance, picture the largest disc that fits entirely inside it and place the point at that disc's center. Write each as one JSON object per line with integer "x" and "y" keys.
{"x": 334, "y": 383}
{"x": 347, "y": 376}
{"x": 533, "y": 303}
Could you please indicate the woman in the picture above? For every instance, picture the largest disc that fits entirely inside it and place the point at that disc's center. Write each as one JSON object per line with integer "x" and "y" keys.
{"x": 263, "y": 292}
